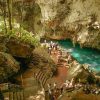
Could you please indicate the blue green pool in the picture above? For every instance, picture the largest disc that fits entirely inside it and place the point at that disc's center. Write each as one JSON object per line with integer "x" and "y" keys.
{"x": 83, "y": 55}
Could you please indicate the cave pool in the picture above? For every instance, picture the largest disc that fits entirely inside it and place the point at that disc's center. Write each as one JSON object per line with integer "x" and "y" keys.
{"x": 83, "y": 55}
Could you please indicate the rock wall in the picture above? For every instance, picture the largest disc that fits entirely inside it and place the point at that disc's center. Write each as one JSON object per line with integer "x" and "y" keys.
{"x": 79, "y": 19}
{"x": 9, "y": 49}
{"x": 17, "y": 57}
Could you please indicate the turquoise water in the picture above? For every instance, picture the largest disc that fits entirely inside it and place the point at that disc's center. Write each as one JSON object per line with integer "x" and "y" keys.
{"x": 83, "y": 55}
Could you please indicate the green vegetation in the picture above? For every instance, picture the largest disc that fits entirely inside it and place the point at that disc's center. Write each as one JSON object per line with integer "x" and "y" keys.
{"x": 19, "y": 33}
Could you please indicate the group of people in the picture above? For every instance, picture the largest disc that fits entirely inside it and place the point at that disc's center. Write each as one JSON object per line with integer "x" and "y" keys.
{"x": 54, "y": 48}
{"x": 55, "y": 92}
{"x": 87, "y": 89}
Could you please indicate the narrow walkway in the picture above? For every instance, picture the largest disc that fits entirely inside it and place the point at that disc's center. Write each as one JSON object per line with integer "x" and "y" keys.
{"x": 60, "y": 78}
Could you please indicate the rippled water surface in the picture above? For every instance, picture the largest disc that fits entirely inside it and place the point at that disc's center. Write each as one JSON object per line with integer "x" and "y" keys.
{"x": 83, "y": 55}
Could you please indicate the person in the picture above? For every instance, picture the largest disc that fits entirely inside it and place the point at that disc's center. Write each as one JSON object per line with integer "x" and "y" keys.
{"x": 49, "y": 50}
{"x": 66, "y": 84}
{"x": 55, "y": 85}
{"x": 49, "y": 85}
{"x": 51, "y": 44}
{"x": 61, "y": 89}
{"x": 51, "y": 97}
{"x": 69, "y": 59}
{"x": 56, "y": 94}
{"x": 45, "y": 41}
{"x": 56, "y": 46}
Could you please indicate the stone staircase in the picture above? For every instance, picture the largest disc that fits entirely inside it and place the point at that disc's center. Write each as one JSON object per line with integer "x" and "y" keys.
{"x": 12, "y": 91}
{"x": 13, "y": 95}
{"x": 41, "y": 77}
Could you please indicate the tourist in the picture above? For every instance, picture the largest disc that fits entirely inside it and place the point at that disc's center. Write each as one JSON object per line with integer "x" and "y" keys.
{"x": 49, "y": 86}
{"x": 49, "y": 50}
{"x": 56, "y": 94}
{"x": 45, "y": 41}
{"x": 71, "y": 83}
{"x": 51, "y": 96}
{"x": 61, "y": 89}
{"x": 66, "y": 84}
{"x": 55, "y": 85}
{"x": 69, "y": 59}
{"x": 56, "y": 46}
{"x": 50, "y": 92}
{"x": 51, "y": 44}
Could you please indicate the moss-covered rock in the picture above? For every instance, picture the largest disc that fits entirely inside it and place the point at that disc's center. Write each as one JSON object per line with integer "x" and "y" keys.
{"x": 18, "y": 48}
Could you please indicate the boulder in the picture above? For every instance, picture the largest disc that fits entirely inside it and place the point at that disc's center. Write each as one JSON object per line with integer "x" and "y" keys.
{"x": 8, "y": 66}
{"x": 18, "y": 48}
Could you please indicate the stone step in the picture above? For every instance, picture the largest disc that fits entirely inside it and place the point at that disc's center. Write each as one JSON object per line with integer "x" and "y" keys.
{"x": 13, "y": 95}
{"x": 41, "y": 77}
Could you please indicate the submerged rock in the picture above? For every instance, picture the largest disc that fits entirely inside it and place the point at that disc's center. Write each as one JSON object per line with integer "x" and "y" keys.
{"x": 8, "y": 66}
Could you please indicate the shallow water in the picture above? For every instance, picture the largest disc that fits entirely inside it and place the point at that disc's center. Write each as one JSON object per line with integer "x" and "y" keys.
{"x": 83, "y": 55}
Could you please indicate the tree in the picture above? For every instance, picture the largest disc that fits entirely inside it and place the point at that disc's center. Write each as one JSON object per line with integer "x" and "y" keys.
{"x": 21, "y": 15}
{"x": 9, "y": 6}
{"x": 3, "y": 10}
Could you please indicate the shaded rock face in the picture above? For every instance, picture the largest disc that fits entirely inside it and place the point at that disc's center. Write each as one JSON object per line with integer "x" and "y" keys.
{"x": 8, "y": 66}
{"x": 31, "y": 15}
{"x": 10, "y": 49}
{"x": 19, "y": 49}
{"x": 79, "y": 19}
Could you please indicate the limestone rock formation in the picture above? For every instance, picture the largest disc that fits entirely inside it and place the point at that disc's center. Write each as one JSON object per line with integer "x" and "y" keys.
{"x": 78, "y": 19}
